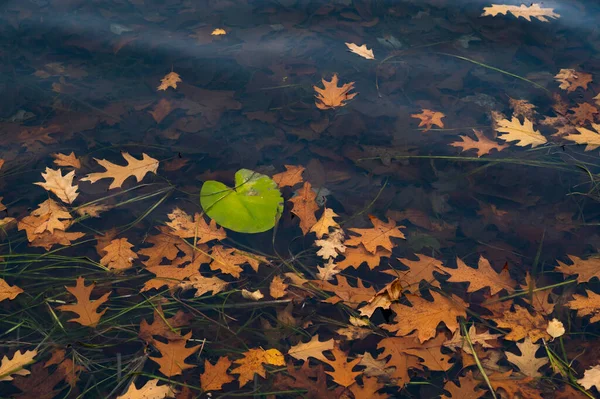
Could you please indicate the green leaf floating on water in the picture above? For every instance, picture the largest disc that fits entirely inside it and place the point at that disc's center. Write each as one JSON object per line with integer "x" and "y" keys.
{"x": 252, "y": 206}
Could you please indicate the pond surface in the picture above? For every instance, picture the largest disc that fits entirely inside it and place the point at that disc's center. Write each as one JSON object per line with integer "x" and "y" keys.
{"x": 463, "y": 149}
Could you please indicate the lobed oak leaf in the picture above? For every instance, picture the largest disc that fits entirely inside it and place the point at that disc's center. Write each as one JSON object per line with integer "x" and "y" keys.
{"x": 332, "y": 96}
{"x": 355, "y": 256}
{"x": 255, "y": 296}
{"x": 378, "y": 236}
{"x": 527, "y": 363}
{"x": 514, "y": 388}
{"x": 48, "y": 217}
{"x": 524, "y": 134}
{"x": 482, "y": 277}
{"x": 135, "y": 167}
{"x": 85, "y": 308}
{"x": 164, "y": 246}
{"x": 203, "y": 284}
{"x": 420, "y": 270}
{"x": 92, "y": 210}
{"x": 522, "y": 108}
{"x": 150, "y": 390}
{"x": 459, "y": 341}
{"x": 289, "y": 178}
{"x": 170, "y": 80}
{"x": 375, "y": 368}
{"x": 523, "y": 324}
{"x": 119, "y": 255}
{"x": 215, "y": 376}
{"x": 304, "y": 379}
{"x": 305, "y": 207}
{"x": 591, "y": 378}
{"x": 10, "y": 367}
{"x": 538, "y": 298}
{"x": 344, "y": 292}
{"x": 590, "y": 138}
{"x": 483, "y": 145}
{"x": 399, "y": 362}
{"x": 586, "y": 305}
{"x": 467, "y": 389}
{"x": 332, "y": 246}
{"x": 277, "y": 288}
{"x": 327, "y": 272}
{"x": 47, "y": 240}
{"x": 363, "y": 51}
{"x": 173, "y": 355}
{"x": 342, "y": 373}
{"x": 384, "y": 298}
{"x": 571, "y": 79}
{"x": 70, "y": 160}
{"x": 165, "y": 327}
{"x": 184, "y": 226}
{"x": 584, "y": 269}
{"x": 37, "y": 385}
{"x": 424, "y": 316}
{"x": 429, "y": 118}
{"x": 252, "y": 363}
{"x": 8, "y": 291}
{"x": 61, "y": 186}
{"x": 534, "y": 10}
{"x": 321, "y": 227}
{"x": 368, "y": 389}
{"x": 583, "y": 113}
{"x": 313, "y": 348}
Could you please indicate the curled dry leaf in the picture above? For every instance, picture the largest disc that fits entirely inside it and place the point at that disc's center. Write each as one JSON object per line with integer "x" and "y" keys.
{"x": 332, "y": 96}
{"x": 254, "y": 296}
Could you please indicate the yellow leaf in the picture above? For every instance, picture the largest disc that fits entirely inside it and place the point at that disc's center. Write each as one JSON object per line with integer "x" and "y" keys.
{"x": 135, "y": 167}
{"x": 363, "y": 51}
{"x": 524, "y": 133}
{"x": 170, "y": 80}
{"x": 324, "y": 223}
{"x": 527, "y": 12}
{"x": 252, "y": 363}
{"x": 67, "y": 160}
{"x": 586, "y": 136}
{"x": 14, "y": 366}
{"x": 150, "y": 390}
{"x": 61, "y": 186}
{"x": 218, "y": 32}
{"x": 255, "y": 296}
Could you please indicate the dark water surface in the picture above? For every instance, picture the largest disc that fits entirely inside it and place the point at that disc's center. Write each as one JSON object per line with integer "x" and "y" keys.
{"x": 81, "y": 76}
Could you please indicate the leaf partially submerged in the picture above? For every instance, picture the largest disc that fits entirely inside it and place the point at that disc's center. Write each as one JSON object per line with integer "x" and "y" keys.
{"x": 252, "y": 206}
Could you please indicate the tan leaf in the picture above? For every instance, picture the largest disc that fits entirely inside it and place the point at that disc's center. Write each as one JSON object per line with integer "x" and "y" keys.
{"x": 119, "y": 255}
{"x": 321, "y": 227}
{"x": 170, "y": 80}
{"x": 313, "y": 348}
{"x": 534, "y": 10}
{"x": 85, "y": 307}
{"x": 363, "y": 51}
{"x": 586, "y": 136}
{"x": 15, "y": 365}
{"x": 184, "y": 226}
{"x": 571, "y": 79}
{"x": 218, "y": 32}
{"x": 584, "y": 113}
{"x": 467, "y": 389}
{"x": 252, "y": 363}
{"x": 277, "y": 288}
{"x": 305, "y": 207}
{"x": 173, "y": 355}
{"x": 586, "y": 305}
{"x": 215, "y": 376}
{"x": 483, "y": 145}
{"x": 332, "y": 246}
{"x": 591, "y": 378}
{"x": 342, "y": 368}
{"x": 429, "y": 118}
{"x": 524, "y": 134}
{"x": 555, "y": 328}
{"x": 48, "y": 217}
{"x": 150, "y": 390}
{"x": 378, "y": 236}
{"x": 527, "y": 362}
{"x": 203, "y": 284}
{"x": 332, "y": 96}
{"x": 61, "y": 186}
{"x": 8, "y": 291}
{"x": 344, "y": 292}
{"x": 135, "y": 167}
{"x": 584, "y": 269}
{"x": 327, "y": 272}
{"x": 291, "y": 177}
{"x": 420, "y": 270}
{"x": 482, "y": 277}
{"x": 66, "y": 160}
{"x": 523, "y": 324}
{"x": 355, "y": 256}
{"x": 254, "y": 296}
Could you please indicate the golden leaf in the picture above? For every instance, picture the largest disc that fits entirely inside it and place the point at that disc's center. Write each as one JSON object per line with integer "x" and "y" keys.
{"x": 173, "y": 355}
{"x": 585, "y": 269}
{"x": 586, "y": 136}
{"x": 378, "y": 236}
{"x": 467, "y": 389}
{"x": 218, "y": 32}
{"x": 170, "y": 80}
{"x": 252, "y": 363}
{"x": 524, "y": 133}
{"x": 523, "y": 324}
{"x": 363, "y": 51}
{"x": 342, "y": 368}
{"x": 119, "y": 255}
{"x": 277, "y": 288}
{"x": 61, "y": 186}
{"x": 15, "y": 366}
{"x": 313, "y": 348}
{"x": 85, "y": 308}
{"x": 215, "y": 376}
{"x": 332, "y": 96}
{"x": 48, "y": 217}
{"x": 483, "y": 145}
{"x": 8, "y": 291}
{"x": 532, "y": 11}
{"x": 321, "y": 227}
{"x": 482, "y": 277}
{"x": 135, "y": 167}
{"x": 66, "y": 160}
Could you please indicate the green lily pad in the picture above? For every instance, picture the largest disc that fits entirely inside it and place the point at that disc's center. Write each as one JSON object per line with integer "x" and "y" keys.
{"x": 252, "y": 206}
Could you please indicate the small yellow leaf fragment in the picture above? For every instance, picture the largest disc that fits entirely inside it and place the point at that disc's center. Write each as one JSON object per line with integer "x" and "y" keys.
{"x": 363, "y": 51}
{"x": 255, "y": 296}
{"x": 555, "y": 328}
{"x": 218, "y": 32}
{"x": 170, "y": 80}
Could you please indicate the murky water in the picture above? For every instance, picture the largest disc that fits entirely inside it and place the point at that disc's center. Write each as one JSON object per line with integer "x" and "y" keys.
{"x": 82, "y": 76}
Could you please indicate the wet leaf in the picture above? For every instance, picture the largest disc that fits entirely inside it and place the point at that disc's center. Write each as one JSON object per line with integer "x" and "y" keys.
{"x": 332, "y": 95}
{"x": 173, "y": 355}
{"x": 182, "y": 225}
{"x": 321, "y": 227}
{"x": 586, "y": 305}
{"x": 150, "y": 390}
{"x": 378, "y": 236}
{"x": 483, "y": 145}
{"x": 67, "y": 160}
{"x": 119, "y": 255}
{"x": 61, "y": 186}
{"x": 363, "y": 51}
{"x": 135, "y": 167}
{"x": 534, "y": 10}
{"x": 313, "y": 348}
{"x": 291, "y": 177}
{"x": 586, "y": 136}
{"x": 591, "y": 378}
{"x": 15, "y": 365}
{"x": 8, "y": 291}
{"x": 252, "y": 363}
{"x": 571, "y": 79}
{"x": 215, "y": 376}
{"x": 85, "y": 307}
{"x": 342, "y": 368}
{"x": 523, "y": 133}
{"x": 482, "y": 277}
{"x": 170, "y": 80}
{"x": 429, "y": 118}
{"x": 305, "y": 207}
{"x": 527, "y": 363}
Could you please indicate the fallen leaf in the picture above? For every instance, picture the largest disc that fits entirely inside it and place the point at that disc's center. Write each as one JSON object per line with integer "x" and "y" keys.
{"x": 218, "y": 32}
{"x": 584, "y": 269}
{"x": 8, "y": 291}
{"x": 61, "y": 186}
{"x": 173, "y": 355}
{"x": 254, "y": 296}
{"x": 162, "y": 109}
{"x": 482, "y": 277}
{"x": 215, "y": 376}
{"x": 527, "y": 363}
{"x": 586, "y": 305}
{"x": 555, "y": 328}
{"x": 119, "y": 255}
{"x": 429, "y": 118}
{"x": 327, "y": 272}
{"x": 135, "y": 167}
{"x": 252, "y": 363}
{"x": 355, "y": 256}
{"x": 363, "y": 51}
{"x": 378, "y": 236}
{"x": 524, "y": 133}
{"x": 67, "y": 160}
{"x": 342, "y": 373}
{"x": 184, "y": 226}
{"x": 586, "y": 136}
{"x": 571, "y": 79}
{"x": 150, "y": 390}
{"x": 523, "y": 324}
{"x": 332, "y": 96}
{"x": 313, "y": 348}
{"x": 10, "y": 367}
{"x": 277, "y": 288}
{"x": 332, "y": 246}
{"x": 291, "y": 177}
{"x": 534, "y": 10}
{"x": 467, "y": 389}
{"x": 483, "y": 145}
{"x": 170, "y": 80}
{"x": 305, "y": 207}
{"x": 321, "y": 227}
{"x": 85, "y": 307}
{"x": 591, "y": 378}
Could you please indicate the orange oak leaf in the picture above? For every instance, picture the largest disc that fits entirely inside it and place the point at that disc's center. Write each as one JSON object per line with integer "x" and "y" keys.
{"x": 173, "y": 355}
{"x": 355, "y": 256}
{"x": 202, "y": 284}
{"x": 482, "y": 277}
{"x": 162, "y": 326}
{"x": 378, "y": 236}
{"x": 344, "y": 292}
{"x": 429, "y": 118}
{"x": 170, "y": 80}
{"x": 291, "y": 177}
{"x": 277, "y": 288}
{"x": 227, "y": 260}
{"x": 164, "y": 246}
{"x": 252, "y": 363}
{"x": 586, "y": 305}
{"x": 467, "y": 388}
{"x": 67, "y": 160}
{"x": 514, "y": 387}
{"x": 85, "y": 307}
{"x": 215, "y": 376}
{"x": 424, "y": 316}
{"x": 176, "y": 274}
{"x": 342, "y": 368}
{"x": 313, "y": 348}
{"x": 15, "y": 365}
{"x": 584, "y": 269}
{"x": 321, "y": 227}
{"x": 571, "y": 79}
{"x": 149, "y": 390}
{"x": 363, "y": 51}
{"x": 48, "y": 217}
{"x": 305, "y": 207}
{"x": 61, "y": 186}
{"x": 47, "y": 240}
{"x": 384, "y": 298}
{"x": 184, "y": 226}
{"x": 523, "y": 324}
{"x": 135, "y": 167}
{"x": 483, "y": 145}
{"x": 8, "y": 291}
{"x": 332, "y": 96}
{"x": 420, "y": 270}
{"x": 119, "y": 255}
{"x": 369, "y": 389}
